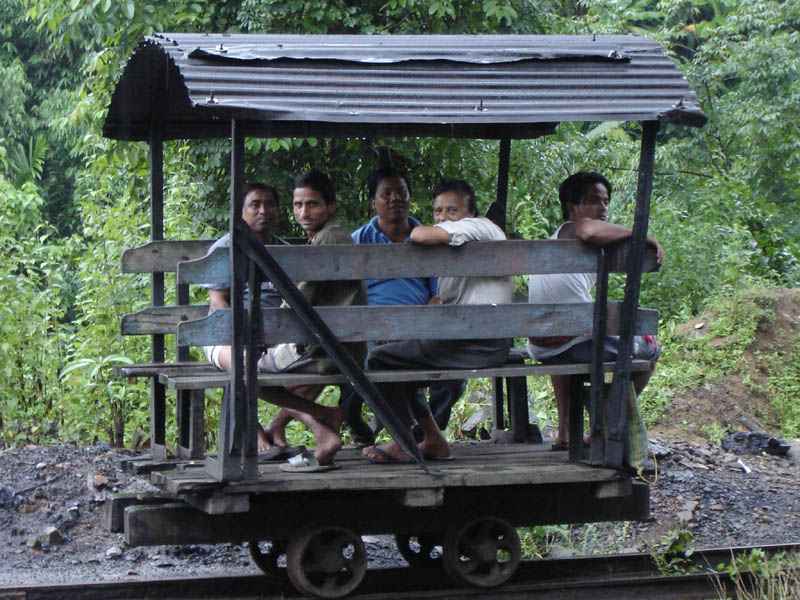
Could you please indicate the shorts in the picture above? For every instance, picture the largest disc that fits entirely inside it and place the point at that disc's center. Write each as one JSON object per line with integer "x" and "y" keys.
{"x": 645, "y": 347}
{"x": 212, "y": 355}
{"x": 278, "y": 359}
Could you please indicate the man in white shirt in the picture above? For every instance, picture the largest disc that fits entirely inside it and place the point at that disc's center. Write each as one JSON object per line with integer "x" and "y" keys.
{"x": 456, "y": 222}
{"x": 584, "y": 200}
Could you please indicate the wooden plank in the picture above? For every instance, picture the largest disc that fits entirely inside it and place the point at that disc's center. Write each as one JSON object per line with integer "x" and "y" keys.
{"x": 388, "y": 261}
{"x": 160, "y": 319}
{"x": 391, "y": 323}
{"x": 221, "y": 379}
{"x": 115, "y": 504}
{"x": 365, "y": 476}
{"x": 155, "y": 369}
{"x": 279, "y": 516}
{"x": 162, "y": 256}
{"x": 219, "y": 504}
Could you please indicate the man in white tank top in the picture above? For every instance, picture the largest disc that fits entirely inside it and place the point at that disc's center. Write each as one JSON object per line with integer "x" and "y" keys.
{"x": 584, "y": 200}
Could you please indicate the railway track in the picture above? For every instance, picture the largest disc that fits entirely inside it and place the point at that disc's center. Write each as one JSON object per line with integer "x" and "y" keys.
{"x": 600, "y": 578}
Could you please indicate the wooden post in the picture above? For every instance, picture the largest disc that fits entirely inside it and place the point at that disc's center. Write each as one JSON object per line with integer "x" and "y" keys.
{"x": 157, "y": 390}
{"x": 576, "y": 395}
{"x": 190, "y": 439}
{"x": 518, "y": 408}
{"x": 227, "y": 465}
{"x": 254, "y": 320}
{"x": 498, "y": 404}
{"x": 597, "y": 394}
{"x": 497, "y": 211}
{"x": 497, "y": 214}
{"x": 617, "y": 406}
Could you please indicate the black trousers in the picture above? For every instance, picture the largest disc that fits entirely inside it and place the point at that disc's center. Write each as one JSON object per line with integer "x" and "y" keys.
{"x": 404, "y": 397}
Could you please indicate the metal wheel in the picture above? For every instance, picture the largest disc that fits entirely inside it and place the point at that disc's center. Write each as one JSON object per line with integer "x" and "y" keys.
{"x": 485, "y": 552}
{"x": 266, "y": 554}
{"x": 420, "y": 550}
{"x": 329, "y": 561}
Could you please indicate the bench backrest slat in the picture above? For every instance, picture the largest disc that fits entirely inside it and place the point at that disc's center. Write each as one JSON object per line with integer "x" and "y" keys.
{"x": 161, "y": 319}
{"x": 162, "y": 256}
{"x": 388, "y": 261}
{"x": 391, "y": 323}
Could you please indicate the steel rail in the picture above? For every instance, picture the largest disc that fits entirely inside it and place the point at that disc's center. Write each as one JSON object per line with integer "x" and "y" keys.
{"x": 618, "y": 577}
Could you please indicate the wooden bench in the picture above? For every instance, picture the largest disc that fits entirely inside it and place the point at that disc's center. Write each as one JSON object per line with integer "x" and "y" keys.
{"x": 364, "y": 323}
{"x": 157, "y": 259}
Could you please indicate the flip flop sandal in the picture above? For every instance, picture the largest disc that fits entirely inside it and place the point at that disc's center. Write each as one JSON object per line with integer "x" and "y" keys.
{"x": 274, "y": 453}
{"x": 292, "y": 451}
{"x": 306, "y": 462}
{"x": 434, "y": 458}
{"x": 387, "y": 459}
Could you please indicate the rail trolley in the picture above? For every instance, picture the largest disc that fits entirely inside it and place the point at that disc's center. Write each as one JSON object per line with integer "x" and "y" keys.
{"x": 230, "y": 86}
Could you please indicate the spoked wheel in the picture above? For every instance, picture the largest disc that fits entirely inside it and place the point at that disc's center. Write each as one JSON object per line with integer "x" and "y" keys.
{"x": 485, "y": 552}
{"x": 420, "y": 550}
{"x": 266, "y": 554}
{"x": 329, "y": 562}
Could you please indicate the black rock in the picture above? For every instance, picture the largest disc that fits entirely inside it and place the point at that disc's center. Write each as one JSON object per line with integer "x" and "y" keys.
{"x": 749, "y": 442}
{"x": 6, "y": 496}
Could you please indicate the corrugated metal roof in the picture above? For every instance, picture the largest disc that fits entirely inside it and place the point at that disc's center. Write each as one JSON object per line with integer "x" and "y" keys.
{"x": 488, "y": 86}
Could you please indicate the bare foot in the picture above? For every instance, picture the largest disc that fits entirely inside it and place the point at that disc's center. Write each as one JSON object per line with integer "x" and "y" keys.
{"x": 392, "y": 448}
{"x": 435, "y": 448}
{"x": 270, "y": 437}
{"x": 328, "y": 444}
{"x": 264, "y": 443}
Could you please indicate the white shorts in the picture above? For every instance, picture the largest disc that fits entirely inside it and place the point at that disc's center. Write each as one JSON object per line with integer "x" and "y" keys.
{"x": 212, "y": 355}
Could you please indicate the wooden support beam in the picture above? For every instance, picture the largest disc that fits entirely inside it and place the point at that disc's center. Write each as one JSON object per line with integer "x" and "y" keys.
{"x": 518, "y": 408}
{"x": 617, "y": 406}
{"x": 226, "y": 465}
{"x": 158, "y": 411}
{"x": 597, "y": 399}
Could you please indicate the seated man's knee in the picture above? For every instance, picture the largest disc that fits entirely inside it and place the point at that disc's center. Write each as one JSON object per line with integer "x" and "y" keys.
{"x": 307, "y": 392}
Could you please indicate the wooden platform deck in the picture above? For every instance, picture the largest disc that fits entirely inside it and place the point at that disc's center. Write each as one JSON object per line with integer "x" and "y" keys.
{"x": 526, "y": 484}
{"x": 475, "y": 464}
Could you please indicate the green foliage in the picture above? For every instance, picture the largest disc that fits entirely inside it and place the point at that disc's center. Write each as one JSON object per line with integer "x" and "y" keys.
{"x": 728, "y": 347}
{"x": 539, "y": 541}
{"x": 36, "y": 296}
{"x": 96, "y": 395}
{"x": 756, "y": 576}
{"x": 400, "y": 16}
{"x": 26, "y": 166}
{"x": 672, "y": 553}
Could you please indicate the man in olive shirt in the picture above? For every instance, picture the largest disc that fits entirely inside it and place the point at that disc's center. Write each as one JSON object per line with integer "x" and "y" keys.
{"x": 313, "y": 204}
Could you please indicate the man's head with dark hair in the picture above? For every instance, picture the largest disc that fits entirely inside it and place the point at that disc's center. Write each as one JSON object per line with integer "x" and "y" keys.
{"x": 453, "y": 200}
{"x": 573, "y": 188}
{"x": 260, "y": 209}
{"x": 313, "y": 201}
{"x": 462, "y": 187}
{"x": 381, "y": 173}
{"x": 390, "y": 197}
{"x": 263, "y": 187}
{"x": 319, "y": 182}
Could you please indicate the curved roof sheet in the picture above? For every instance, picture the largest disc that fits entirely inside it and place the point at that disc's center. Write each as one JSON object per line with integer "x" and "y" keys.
{"x": 485, "y": 86}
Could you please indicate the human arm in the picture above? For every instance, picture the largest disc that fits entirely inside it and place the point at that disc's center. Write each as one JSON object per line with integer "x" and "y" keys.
{"x": 218, "y": 299}
{"x": 429, "y": 235}
{"x": 601, "y": 233}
